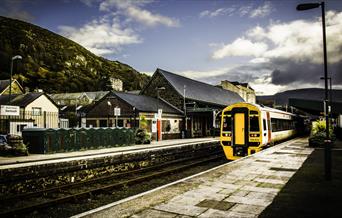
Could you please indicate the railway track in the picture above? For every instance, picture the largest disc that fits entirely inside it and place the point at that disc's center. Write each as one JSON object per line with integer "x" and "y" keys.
{"x": 20, "y": 204}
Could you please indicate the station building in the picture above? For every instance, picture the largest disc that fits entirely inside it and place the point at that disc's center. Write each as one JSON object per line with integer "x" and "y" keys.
{"x": 134, "y": 111}
{"x": 242, "y": 89}
{"x": 199, "y": 101}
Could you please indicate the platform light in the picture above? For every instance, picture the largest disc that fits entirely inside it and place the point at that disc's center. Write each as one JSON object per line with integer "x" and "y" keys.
{"x": 327, "y": 147}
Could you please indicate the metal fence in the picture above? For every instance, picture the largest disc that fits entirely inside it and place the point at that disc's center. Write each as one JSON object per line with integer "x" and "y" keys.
{"x": 28, "y": 119}
{"x": 42, "y": 141}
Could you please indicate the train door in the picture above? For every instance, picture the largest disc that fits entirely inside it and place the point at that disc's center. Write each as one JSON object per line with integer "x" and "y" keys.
{"x": 240, "y": 126}
{"x": 264, "y": 129}
{"x": 269, "y": 129}
{"x": 239, "y": 129}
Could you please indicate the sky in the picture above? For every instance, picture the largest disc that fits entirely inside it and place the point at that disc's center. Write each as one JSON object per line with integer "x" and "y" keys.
{"x": 268, "y": 44}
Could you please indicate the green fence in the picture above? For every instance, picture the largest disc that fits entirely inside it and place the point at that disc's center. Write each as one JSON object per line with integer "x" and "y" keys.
{"x": 42, "y": 141}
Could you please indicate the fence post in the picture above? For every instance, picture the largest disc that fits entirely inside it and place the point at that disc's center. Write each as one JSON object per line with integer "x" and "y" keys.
{"x": 44, "y": 119}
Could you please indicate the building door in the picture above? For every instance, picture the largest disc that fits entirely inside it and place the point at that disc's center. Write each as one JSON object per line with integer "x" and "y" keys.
{"x": 239, "y": 128}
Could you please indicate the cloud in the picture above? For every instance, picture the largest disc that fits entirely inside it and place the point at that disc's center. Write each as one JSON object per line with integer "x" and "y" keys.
{"x": 203, "y": 75}
{"x": 261, "y": 11}
{"x": 134, "y": 11}
{"x": 13, "y": 9}
{"x": 255, "y": 74}
{"x": 218, "y": 12}
{"x": 89, "y": 3}
{"x": 242, "y": 11}
{"x": 293, "y": 49}
{"x": 240, "y": 47}
{"x": 107, "y": 34}
{"x": 101, "y": 36}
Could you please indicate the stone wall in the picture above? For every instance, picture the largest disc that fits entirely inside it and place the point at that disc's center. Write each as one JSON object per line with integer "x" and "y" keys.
{"x": 43, "y": 176}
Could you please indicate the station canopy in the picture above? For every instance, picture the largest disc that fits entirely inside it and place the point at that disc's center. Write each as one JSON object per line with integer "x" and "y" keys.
{"x": 314, "y": 107}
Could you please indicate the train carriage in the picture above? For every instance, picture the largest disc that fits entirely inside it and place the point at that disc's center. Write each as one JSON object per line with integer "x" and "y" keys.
{"x": 248, "y": 128}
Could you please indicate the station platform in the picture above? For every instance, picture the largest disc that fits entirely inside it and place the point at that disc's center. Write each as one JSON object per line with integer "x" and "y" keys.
{"x": 242, "y": 188}
{"x": 36, "y": 159}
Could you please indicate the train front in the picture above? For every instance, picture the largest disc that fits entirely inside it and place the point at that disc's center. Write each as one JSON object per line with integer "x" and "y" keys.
{"x": 241, "y": 130}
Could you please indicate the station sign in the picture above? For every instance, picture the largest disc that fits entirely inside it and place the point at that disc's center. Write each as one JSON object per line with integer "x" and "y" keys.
{"x": 154, "y": 125}
{"x": 160, "y": 111}
{"x": 117, "y": 111}
{"x": 9, "y": 110}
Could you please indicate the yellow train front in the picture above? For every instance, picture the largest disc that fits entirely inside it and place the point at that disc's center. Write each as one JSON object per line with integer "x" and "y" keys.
{"x": 247, "y": 128}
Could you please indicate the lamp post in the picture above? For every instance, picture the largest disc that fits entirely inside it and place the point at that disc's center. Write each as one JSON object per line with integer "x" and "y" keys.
{"x": 110, "y": 109}
{"x": 10, "y": 91}
{"x": 135, "y": 115}
{"x": 330, "y": 89}
{"x": 330, "y": 98}
{"x": 327, "y": 148}
{"x": 186, "y": 124}
{"x": 158, "y": 122}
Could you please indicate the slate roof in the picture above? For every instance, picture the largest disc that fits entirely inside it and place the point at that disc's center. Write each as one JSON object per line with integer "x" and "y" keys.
{"x": 314, "y": 106}
{"x": 21, "y": 100}
{"x": 146, "y": 103}
{"x": 94, "y": 96}
{"x": 236, "y": 83}
{"x": 200, "y": 91}
{"x": 4, "y": 84}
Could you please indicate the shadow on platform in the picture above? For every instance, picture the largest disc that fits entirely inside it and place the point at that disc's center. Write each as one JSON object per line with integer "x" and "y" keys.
{"x": 308, "y": 194}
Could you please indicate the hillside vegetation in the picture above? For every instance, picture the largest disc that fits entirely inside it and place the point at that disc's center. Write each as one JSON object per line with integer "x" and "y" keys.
{"x": 56, "y": 64}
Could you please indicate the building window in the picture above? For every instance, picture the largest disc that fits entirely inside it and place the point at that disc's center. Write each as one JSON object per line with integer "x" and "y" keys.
{"x": 103, "y": 123}
{"x": 36, "y": 111}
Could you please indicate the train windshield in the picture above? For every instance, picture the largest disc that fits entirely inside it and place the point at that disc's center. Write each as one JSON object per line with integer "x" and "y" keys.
{"x": 227, "y": 122}
{"x": 254, "y": 121}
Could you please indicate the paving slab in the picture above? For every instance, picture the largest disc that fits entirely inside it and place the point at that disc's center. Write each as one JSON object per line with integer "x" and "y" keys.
{"x": 242, "y": 188}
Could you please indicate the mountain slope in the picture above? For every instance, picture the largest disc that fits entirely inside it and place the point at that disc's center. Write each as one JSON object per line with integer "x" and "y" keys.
{"x": 56, "y": 64}
{"x": 281, "y": 98}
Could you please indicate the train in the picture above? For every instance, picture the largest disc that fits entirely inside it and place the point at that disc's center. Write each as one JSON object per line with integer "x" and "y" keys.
{"x": 249, "y": 128}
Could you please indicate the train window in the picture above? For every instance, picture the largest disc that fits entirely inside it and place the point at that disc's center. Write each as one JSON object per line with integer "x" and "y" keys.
{"x": 227, "y": 123}
{"x": 253, "y": 112}
{"x": 281, "y": 125}
{"x": 264, "y": 123}
{"x": 254, "y": 123}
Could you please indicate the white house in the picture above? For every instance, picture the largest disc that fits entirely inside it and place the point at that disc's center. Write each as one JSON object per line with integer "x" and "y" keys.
{"x": 35, "y": 109}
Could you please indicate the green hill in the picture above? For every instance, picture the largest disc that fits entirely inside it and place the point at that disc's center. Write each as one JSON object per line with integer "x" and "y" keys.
{"x": 56, "y": 64}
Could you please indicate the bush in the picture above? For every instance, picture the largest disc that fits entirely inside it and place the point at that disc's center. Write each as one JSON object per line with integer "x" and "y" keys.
{"x": 318, "y": 134}
{"x": 14, "y": 147}
{"x": 142, "y": 137}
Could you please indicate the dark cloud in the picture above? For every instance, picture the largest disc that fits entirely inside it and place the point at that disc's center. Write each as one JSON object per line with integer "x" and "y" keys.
{"x": 244, "y": 73}
{"x": 290, "y": 72}
{"x": 14, "y": 9}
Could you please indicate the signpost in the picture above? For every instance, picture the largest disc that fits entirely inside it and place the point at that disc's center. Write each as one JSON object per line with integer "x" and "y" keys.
{"x": 117, "y": 112}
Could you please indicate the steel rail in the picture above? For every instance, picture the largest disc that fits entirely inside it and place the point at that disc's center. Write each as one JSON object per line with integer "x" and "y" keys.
{"x": 87, "y": 193}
